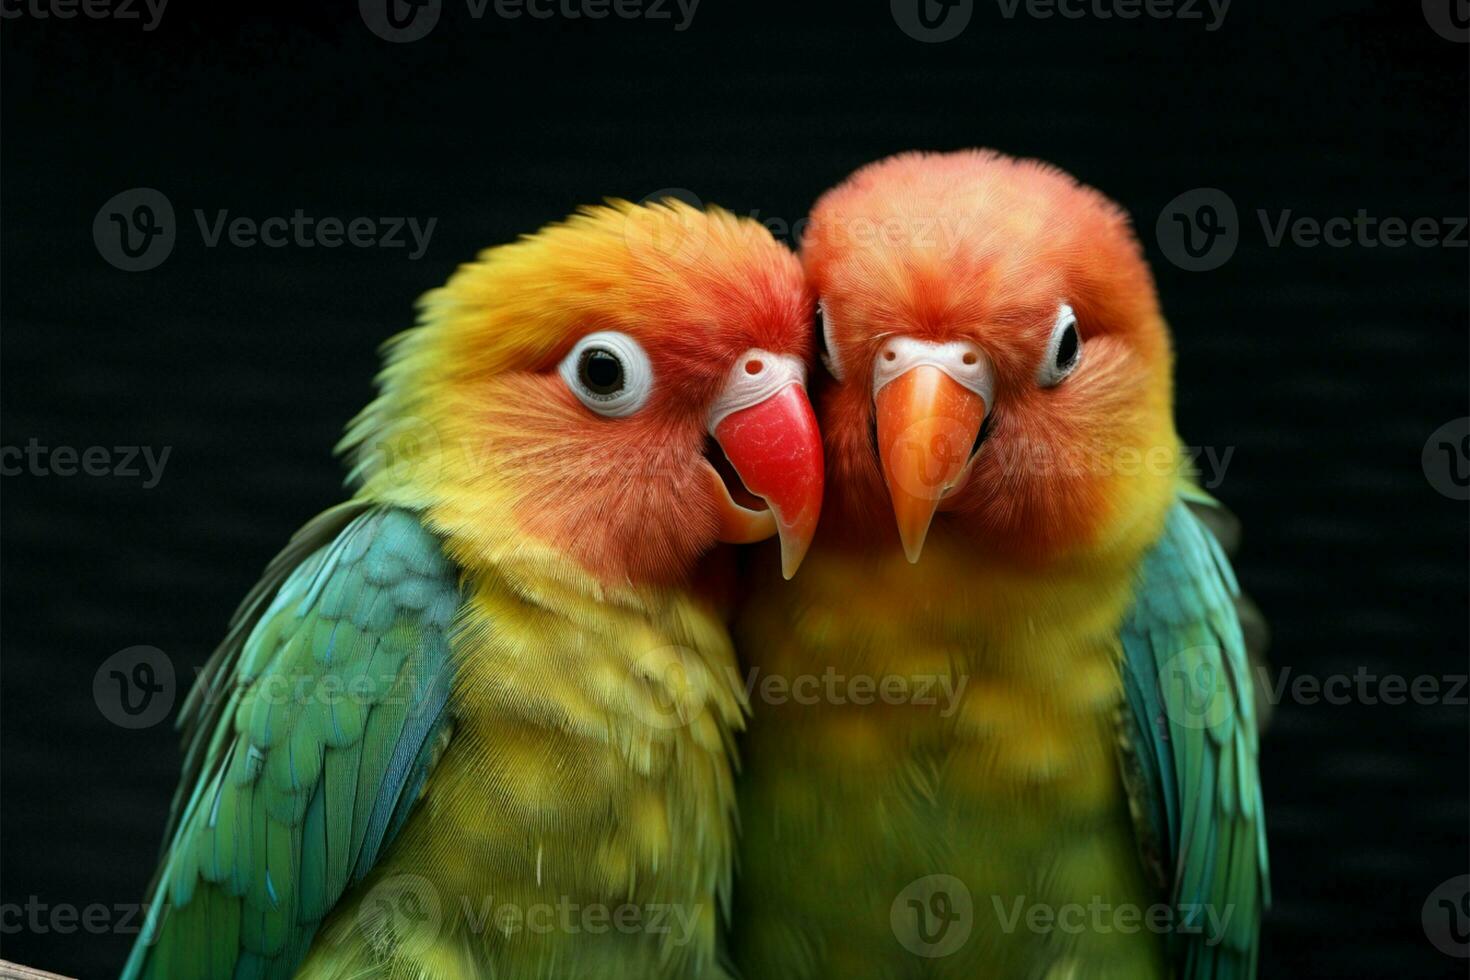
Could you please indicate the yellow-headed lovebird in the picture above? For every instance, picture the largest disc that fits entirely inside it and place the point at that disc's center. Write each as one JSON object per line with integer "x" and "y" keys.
{"x": 1013, "y": 735}
{"x": 477, "y": 721}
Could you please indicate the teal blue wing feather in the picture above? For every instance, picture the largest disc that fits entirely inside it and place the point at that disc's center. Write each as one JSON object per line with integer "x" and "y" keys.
{"x": 1189, "y": 750}
{"x": 1226, "y": 529}
{"x": 308, "y": 738}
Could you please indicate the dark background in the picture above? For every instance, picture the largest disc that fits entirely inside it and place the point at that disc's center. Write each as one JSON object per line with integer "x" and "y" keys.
{"x": 1326, "y": 368}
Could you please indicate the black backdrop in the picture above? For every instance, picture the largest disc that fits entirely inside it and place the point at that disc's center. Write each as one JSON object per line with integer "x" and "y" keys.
{"x": 1326, "y": 368}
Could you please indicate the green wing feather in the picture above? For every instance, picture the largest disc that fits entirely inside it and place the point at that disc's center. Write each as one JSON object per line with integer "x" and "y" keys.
{"x": 1225, "y": 526}
{"x": 306, "y": 743}
{"x": 1189, "y": 750}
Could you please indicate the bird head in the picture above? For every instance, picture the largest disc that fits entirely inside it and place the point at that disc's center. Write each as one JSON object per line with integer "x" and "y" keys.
{"x": 626, "y": 388}
{"x": 999, "y": 354}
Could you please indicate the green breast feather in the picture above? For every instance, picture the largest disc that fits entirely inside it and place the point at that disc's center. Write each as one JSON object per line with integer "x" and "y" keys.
{"x": 1189, "y": 751}
{"x": 307, "y": 739}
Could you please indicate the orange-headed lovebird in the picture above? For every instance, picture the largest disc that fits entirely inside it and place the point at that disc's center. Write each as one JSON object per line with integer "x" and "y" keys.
{"x": 1011, "y": 736}
{"x": 437, "y": 740}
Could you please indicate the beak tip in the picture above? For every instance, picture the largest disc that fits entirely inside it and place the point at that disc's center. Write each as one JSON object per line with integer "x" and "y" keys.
{"x": 913, "y": 525}
{"x": 926, "y": 427}
{"x": 775, "y": 448}
{"x": 792, "y": 554}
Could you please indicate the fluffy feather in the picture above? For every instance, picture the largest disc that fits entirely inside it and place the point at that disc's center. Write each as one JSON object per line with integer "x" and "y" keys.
{"x": 473, "y": 427}
{"x": 552, "y": 704}
{"x": 981, "y": 246}
{"x": 1022, "y": 620}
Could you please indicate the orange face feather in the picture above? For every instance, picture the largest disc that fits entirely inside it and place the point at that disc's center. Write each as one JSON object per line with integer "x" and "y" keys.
{"x": 480, "y": 424}
{"x": 944, "y": 280}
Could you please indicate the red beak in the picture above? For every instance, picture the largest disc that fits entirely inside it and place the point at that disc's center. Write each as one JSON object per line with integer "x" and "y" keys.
{"x": 776, "y": 449}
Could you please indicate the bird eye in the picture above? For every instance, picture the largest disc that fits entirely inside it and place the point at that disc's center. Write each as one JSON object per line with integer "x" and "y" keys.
{"x": 824, "y": 342}
{"x": 1063, "y": 349}
{"x": 609, "y": 373}
{"x": 601, "y": 372}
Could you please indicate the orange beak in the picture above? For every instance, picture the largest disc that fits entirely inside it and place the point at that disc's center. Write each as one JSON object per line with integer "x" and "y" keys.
{"x": 927, "y": 426}
{"x": 776, "y": 450}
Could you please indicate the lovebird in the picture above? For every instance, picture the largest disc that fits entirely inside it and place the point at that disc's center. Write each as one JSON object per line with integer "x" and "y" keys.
{"x": 1002, "y": 723}
{"x": 478, "y": 720}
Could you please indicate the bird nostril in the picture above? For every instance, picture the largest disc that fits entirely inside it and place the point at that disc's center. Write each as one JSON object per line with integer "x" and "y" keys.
{"x": 754, "y": 366}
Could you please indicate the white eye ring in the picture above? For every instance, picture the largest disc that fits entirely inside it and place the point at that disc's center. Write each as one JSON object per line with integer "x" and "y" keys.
{"x": 829, "y": 349}
{"x": 615, "y": 396}
{"x": 1062, "y": 354}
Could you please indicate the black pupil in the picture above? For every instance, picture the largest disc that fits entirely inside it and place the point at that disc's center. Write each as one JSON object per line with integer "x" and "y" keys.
{"x": 1067, "y": 349}
{"x": 601, "y": 371}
